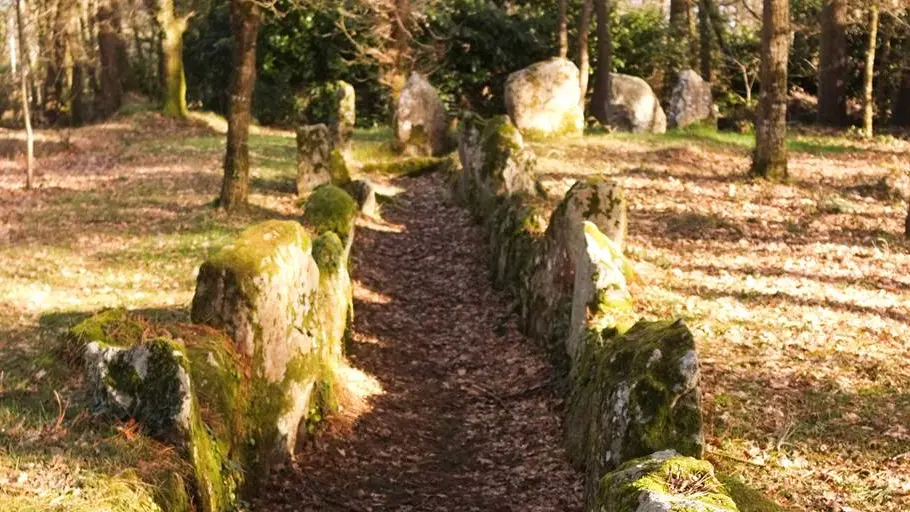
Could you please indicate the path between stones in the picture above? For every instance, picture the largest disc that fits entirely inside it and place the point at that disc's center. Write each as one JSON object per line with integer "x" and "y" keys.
{"x": 468, "y": 419}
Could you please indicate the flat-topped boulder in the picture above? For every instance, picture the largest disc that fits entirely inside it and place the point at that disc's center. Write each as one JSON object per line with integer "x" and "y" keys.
{"x": 544, "y": 99}
{"x": 691, "y": 101}
{"x": 421, "y": 119}
{"x": 663, "y": 482}
{"x": 633, "y": 106}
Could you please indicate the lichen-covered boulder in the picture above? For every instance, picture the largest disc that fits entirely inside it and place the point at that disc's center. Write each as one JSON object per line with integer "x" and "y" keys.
{"x": 330, "y": 208}
{"x": 663, "y": 482}
{"x": 314, "y": 157}
{"x": 261, "y": 290}
{"x": 331, "y": 104}
{"x": 421, "y": 120}
{"x": 691, "y": 101}
{"x": 633, "y": 394}
{"x": 544, "y": 100}
{"x": 633, "y": 106}
{"x": 503, "y": 166}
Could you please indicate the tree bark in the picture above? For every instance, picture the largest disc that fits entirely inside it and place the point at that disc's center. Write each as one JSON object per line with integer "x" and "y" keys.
{"x": 869, "y": 72}
{"x": 907, "y": 223}
{"x": 584, "y": 60}
{"x": 883, "y": 88}
{"x": 26, "y": 113}
{"x": 173, "y": 78}
{"x": 900, "y": 114}
{"x": 246, "y": 18}
{"x": 770, "y": 157}
{"x": 109, "y": 49}
{"x": 704, "y": 41}
{"x": 600, "y": 97}
{"x": 562, "y": 29}
{"x": 55, "y": 76}
{"x": 679, "y": 43}
{"x": 832, "y": 64}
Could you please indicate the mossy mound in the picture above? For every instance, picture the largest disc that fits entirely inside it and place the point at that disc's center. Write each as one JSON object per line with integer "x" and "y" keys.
{"x": 329, "y": 208}
{"x": 663, "y": 481}
{"x": 252, "y": 253}
{"x": 413, "y": 167}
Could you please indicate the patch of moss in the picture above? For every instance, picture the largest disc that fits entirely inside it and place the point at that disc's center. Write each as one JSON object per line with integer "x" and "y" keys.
{"x": 329, "y": 208}
{"x": 338, "y": 168}
{"x": 746, "y": 498}
{"x": 252, "y": 251}
{"x": 113, "y": 327}
{"x": 329, "y": 253}
{"x": 415, "y": 166}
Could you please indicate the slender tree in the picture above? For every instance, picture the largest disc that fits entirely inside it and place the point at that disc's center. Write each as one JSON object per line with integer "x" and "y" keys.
{"x": 600, "y": 97}
{"x": 705, "y": 57}
{"x": 246, "y": 19}
{"x": 173, "y": 79}
{"x": 869, "y": 72}
{"x": 584, "y": 60}
{"x": 770, "y": 157}
{"x": 832, "y": 64}
{"x": 562, "y": 29}
{"x": 907, "y": 223}
{"x": 110, "y": 52}
{"x": 26, "y": 113}
{"x": 679, "y": 43}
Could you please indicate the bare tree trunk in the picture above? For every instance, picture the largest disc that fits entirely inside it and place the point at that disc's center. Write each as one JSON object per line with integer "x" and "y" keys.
{"x": 401, "y": 48}
{"x": 832, "y": 64}
{"x": 869, "y": 72}
{"x": 883, "y": 88}
{"x": 704, "y": 41}
{"x": 907, "y": 223}
{"x": 770, "y": 157}
{"x": 678, "y": 58}
{"x": 584, "y": 64}
{"x": 109, "y": 50}
{"x": 246, "y": 18}
{"x": 174, "y": 79}
{"x": 600, "y": 97}
{"x": 562, "y": 29}
{"x": 26, "y": 113}
{"x": 55, "y": 76}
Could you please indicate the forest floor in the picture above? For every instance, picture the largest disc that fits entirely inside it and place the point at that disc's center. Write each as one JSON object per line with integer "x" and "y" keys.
{"x": 798, "y": 295}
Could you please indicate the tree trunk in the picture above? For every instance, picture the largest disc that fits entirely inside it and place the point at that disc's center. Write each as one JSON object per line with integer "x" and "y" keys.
{"x": 704, "y": 41}
{"x": 26, "y": 113}
{"x": 678, "y": 58}
{"x": 246, "y": 18}
{"x": 600, "y": 97}
{"x": 832, "y": 64}
{"x": 173, "y": 80}
{"x": 869, "y": 72}
{"x": 401, "y": 49}
{"x": 55, "y": 77}
{"x": 562, "y": 29}
{"x": 584, "y": 64}
{"x": 109, "y": 50}
{"x": 907, "y": 223}
{"x": 770, "y": 157}
{"x": 883, "y": 87}
{"x": 900, "y": 114}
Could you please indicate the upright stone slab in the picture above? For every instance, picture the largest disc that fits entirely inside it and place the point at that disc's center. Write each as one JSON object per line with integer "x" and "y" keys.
{"x": 544, "y": 100}
{"x": 691, "y": 101}
{"x": 663, "y": 482}
{"x": 504, "y": 167}
{"x": 314, "y": 157}
{"x": 421, "y": 120}
{"x": 332, "y": 104}
{"x": 260, "y": 290}
{"x": 633, "y": 106}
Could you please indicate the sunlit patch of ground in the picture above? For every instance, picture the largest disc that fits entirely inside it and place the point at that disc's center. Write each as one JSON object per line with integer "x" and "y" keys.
{"x": 798, "y": 295}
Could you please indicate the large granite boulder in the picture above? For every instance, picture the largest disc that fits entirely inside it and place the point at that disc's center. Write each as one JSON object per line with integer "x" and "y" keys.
{"x": 663, "y": 482}
{"x": 633, "y": 106}
{"x": 421, "y": 120}
{"x": 544, "y": 100}
{"x": 691, "y": 101}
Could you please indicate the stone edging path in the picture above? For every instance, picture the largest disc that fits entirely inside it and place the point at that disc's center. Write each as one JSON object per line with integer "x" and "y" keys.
{"x": 468, "y": 419}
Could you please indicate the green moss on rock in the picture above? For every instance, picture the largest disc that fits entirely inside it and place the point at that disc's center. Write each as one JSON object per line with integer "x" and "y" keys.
{"x": 338, "y": 168}
{"x": 329, "y": 253}
{"x": 329, "y": 208}
{"x": 666, "y": 480}
{"x": 415, "y": 166}
{"x": 252, "y": 252}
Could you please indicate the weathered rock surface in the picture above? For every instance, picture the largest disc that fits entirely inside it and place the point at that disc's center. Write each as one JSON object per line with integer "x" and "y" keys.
{"x": 314, "y": 154}
{"x": 365, "y": 194}
{"x": 544, "y": 100}
{"x": 331, "y": 104}
{"x": 421, "y": 120}
{"x": 691, "y": 101}
{"x": 663, "y": 482}
{"x": 633, "y": 106}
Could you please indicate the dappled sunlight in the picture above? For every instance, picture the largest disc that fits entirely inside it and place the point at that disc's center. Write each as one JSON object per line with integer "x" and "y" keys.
{"x": 364, "y": 293}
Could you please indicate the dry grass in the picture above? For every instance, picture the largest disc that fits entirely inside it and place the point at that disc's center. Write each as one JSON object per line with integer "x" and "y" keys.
{"x": 801, "y": 311}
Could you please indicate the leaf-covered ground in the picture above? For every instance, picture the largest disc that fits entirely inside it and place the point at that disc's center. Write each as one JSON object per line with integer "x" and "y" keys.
{"x": 799, "y": 296}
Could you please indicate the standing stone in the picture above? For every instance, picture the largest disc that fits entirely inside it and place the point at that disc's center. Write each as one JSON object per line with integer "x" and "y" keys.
{"x": 364, "y": 193}
{"x": 261, "y": 290}
{"x": 691, "y": 101}
{"x": 314, "y": 157}
{"x": 633, "y": 106}
{"x": 544, "y": 99}
{"x": 331, "y": 104}
{"x": 421, "y": 120}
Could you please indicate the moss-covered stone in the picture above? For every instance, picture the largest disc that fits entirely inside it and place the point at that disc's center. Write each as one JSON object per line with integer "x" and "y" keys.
{"x": 413, "y": 167}
{"x": 330, "y": 208}
{"x": 253, "y": 252}
{"x": 338, "y": 168}
{"x": 663, "y": 481}
{"x": 543, "y": 99}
